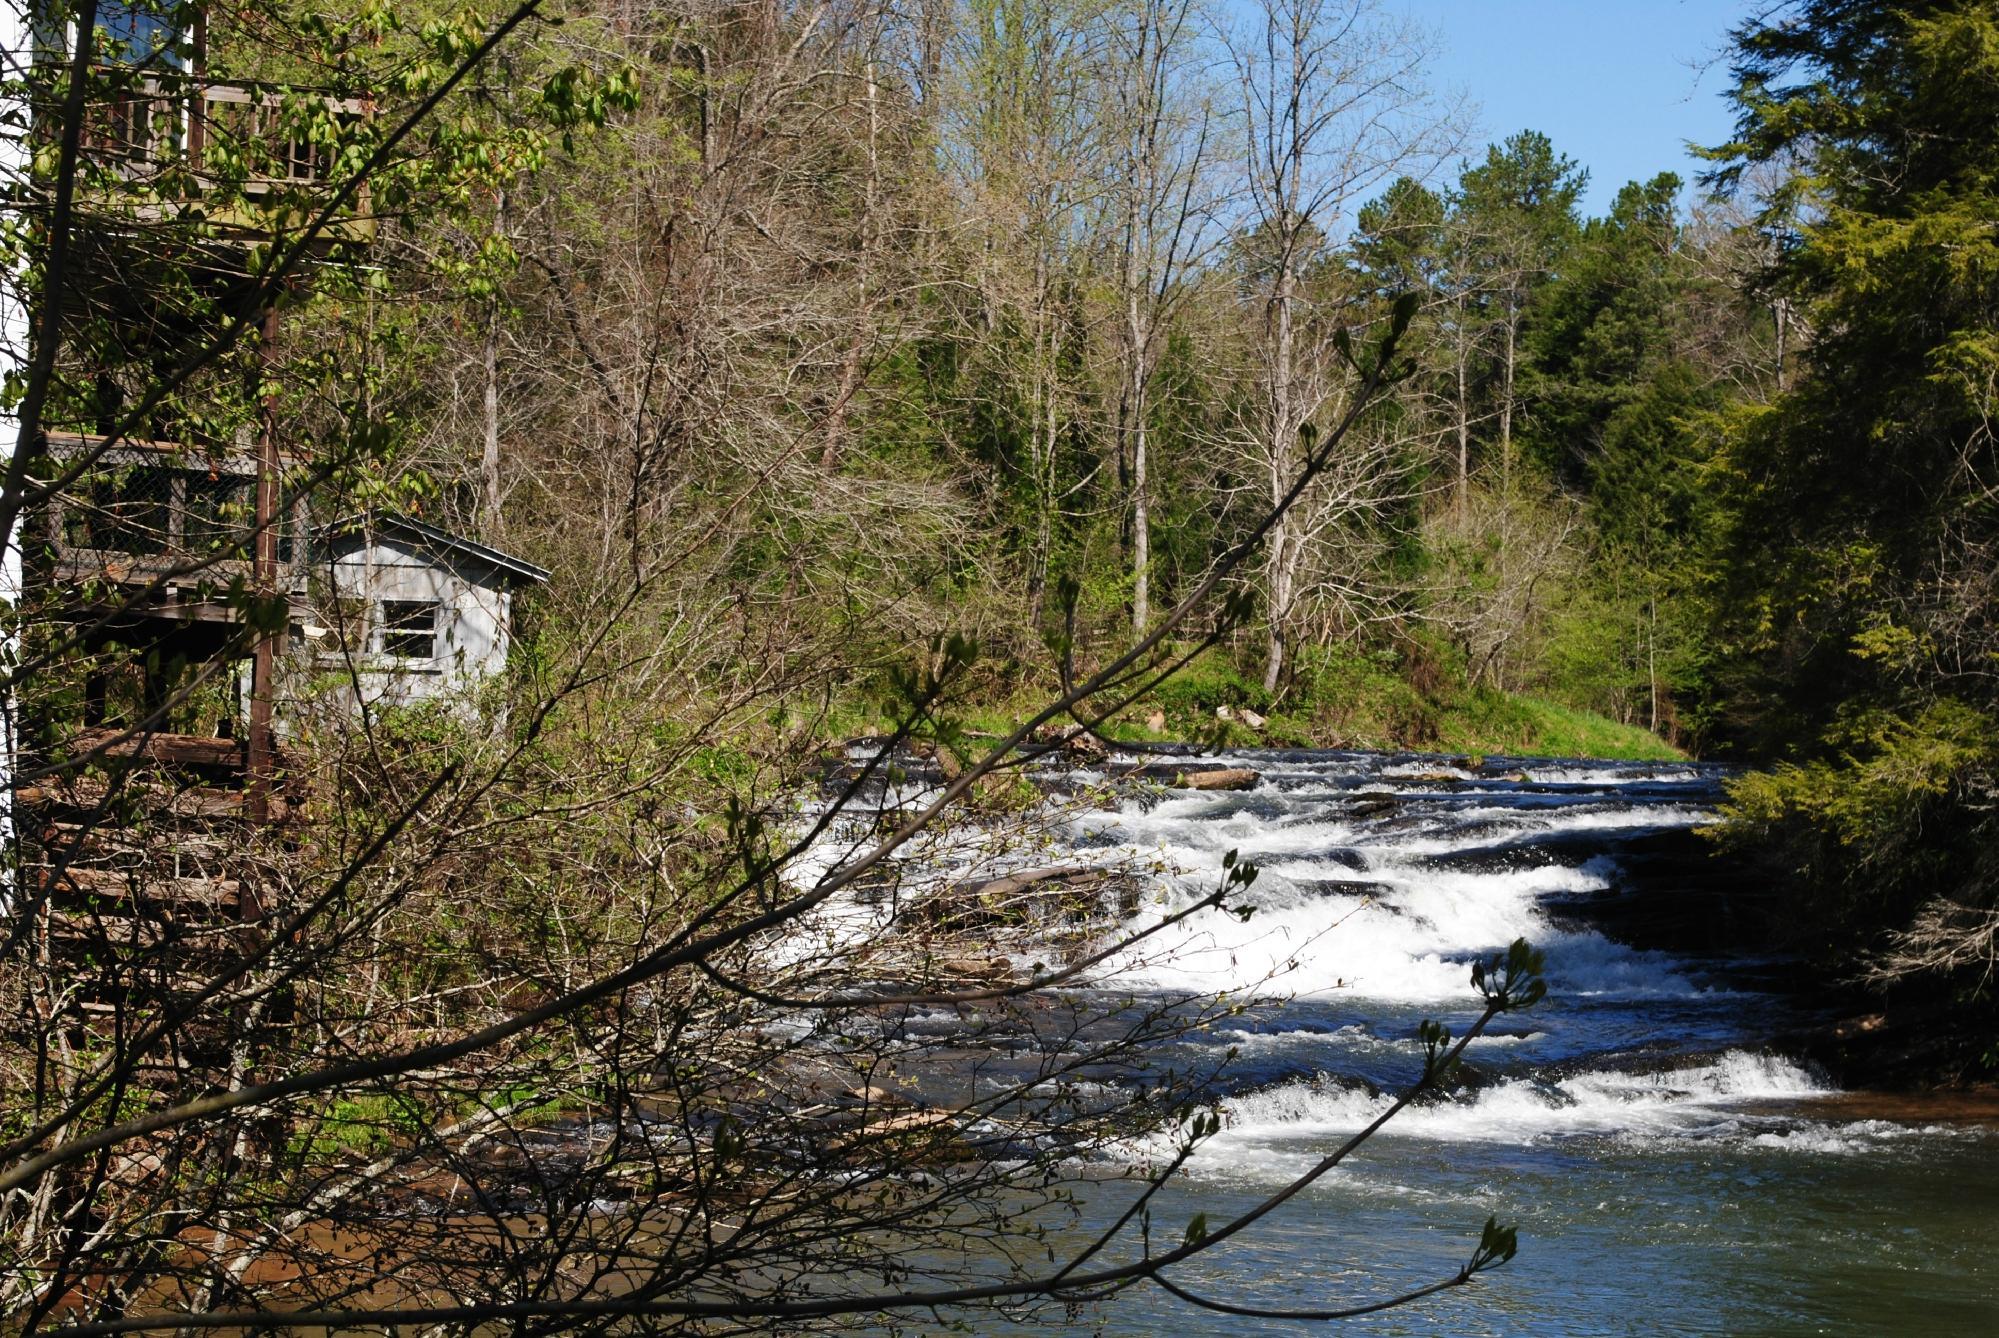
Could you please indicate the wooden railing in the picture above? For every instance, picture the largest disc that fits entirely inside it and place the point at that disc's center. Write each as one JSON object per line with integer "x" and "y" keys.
{"x": 150, "y": 512}
{"x": 241, "y": 117}
{"x": 229, "y": 136}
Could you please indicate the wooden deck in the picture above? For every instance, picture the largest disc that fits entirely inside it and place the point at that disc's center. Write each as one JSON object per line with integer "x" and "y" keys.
{"x": 149, "y": 868}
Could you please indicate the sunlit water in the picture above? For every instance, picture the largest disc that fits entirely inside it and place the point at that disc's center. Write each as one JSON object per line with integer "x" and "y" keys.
{"x": 1668, "y": 1173}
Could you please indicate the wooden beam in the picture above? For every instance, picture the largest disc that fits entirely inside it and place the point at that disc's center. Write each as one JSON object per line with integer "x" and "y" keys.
{"x": 197, "y": 750}
{"x": 263, "y": 662}
{"x": 116, "y": 885}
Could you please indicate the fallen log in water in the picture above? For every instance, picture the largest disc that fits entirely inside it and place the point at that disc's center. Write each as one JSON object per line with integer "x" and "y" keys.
{"x": 1022, "y": 878}
{"x": 1192, "y": 775}
{"x": 1228, "y": 778}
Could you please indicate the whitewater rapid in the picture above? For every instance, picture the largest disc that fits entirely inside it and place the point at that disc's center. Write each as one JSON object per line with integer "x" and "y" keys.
{"x": 1351, "y": 896}
{"x": 1670, "y": 1171}
{"x": 1380, "y": 881}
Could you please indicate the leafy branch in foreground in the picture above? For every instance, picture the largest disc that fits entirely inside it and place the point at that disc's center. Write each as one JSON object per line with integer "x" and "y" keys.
{"x": 556, "y": 1010}
{"x": 1519, "y": 970}
{"x": 656, "y": 992}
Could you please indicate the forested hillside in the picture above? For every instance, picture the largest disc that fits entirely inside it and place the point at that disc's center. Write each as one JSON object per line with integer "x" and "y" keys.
{"x": 921, "y": 321}
{"x": 818, "y": 351}
{"x": 589, "y": 584}
{"x": 1007, "y": 320}
{"x": 1855, "y": 585}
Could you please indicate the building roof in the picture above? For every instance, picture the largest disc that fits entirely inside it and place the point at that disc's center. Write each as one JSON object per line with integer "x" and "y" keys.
{"x": 439, "y": 542}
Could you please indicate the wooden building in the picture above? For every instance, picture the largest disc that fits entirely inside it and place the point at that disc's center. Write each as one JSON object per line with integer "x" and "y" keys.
{"x": 408, "y": 612}
{"x": 163, "y": 556}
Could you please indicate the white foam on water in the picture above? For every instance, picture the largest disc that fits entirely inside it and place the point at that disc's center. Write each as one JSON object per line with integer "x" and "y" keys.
{"x": 1579, "y": 774}
{"x": 1410, "y": 944}
{"x": 1265, "y": 1044}
{"x": 1427, "y": 768}
{"x": 837, "y": 927}
{"x": 1276, "y": 1133}
{"x": 1859, "y": 1136}
{"x": 936, "y": 1017}
{"x": 943, "y": 854}
{"x": 1520, "y": 826}
{"x": 1408, "y": 941}
{"x": 852, "y": 918}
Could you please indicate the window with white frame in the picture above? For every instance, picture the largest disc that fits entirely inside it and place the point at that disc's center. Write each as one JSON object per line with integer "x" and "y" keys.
{"x": 409, "y": 628}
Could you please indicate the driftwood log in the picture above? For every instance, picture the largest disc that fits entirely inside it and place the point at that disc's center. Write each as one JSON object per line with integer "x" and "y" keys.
{"x": 1192, "y": 775}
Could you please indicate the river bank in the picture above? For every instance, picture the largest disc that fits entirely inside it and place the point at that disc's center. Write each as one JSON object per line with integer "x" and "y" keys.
{"x": 1673, "y": 1164}
{"x": 1340, "y": 698}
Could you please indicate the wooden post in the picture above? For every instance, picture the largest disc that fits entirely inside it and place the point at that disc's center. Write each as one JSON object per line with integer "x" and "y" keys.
{"x": 263, "y": 659}
{"x": 197, "y": 98}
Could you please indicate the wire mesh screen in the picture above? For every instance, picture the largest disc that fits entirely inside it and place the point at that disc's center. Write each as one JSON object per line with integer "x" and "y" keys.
{"x": 146, "y": 513}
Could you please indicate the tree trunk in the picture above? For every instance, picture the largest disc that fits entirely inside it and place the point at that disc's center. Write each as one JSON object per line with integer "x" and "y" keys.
{"x": 1652, "y": 661}
{"x": 1282, "y": 443}
{"x": 1141, "y": 516}
{"x": 936, "y": 25}
{"x": 1044, "y": 511}
{"x": 489, "y": 451}
{"x": 1464, "y": 422}
{"x": 850, "y": 365}
{"x": 843, "y": 396}
{"x": 1781, "y": 310}
{"x": 489, "y": 448}
{"x": 1044, "y": 399}
{"x": 1506, "y": 401}
{"x": 1042, "y": 438}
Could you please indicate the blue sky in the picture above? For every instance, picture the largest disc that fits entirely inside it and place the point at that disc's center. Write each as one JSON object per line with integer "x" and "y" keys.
{"x": 1616, "y": 84}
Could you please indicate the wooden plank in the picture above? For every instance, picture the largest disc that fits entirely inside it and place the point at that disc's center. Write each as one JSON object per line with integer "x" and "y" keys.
{"x": 84, "y": 795}
{"x": 185, "y": 951}
{"x": 87, "y": 843}
{"x": 174, "y": 749}
{"x": 117, "y": 885}
{"x": 116, "y": 930}
{"x": 133, "y": 450}
{"x": 202, "y": 750}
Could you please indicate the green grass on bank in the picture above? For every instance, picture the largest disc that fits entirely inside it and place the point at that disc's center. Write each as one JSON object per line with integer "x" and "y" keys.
{"x": 1347, "y": 699}
{"x": 1494, "y": 722}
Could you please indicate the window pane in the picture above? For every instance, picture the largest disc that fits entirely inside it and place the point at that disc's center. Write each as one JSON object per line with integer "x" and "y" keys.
{"x": 409, "y": 628}
{"x": 141, "y": 31}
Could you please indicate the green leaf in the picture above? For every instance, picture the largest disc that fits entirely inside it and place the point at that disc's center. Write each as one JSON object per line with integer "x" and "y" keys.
{"x": 1343, "y": 345}
{"x": 1406, "y": 307}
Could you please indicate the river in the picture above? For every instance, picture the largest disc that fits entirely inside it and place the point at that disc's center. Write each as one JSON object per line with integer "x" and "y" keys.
{"x": 1667, "y": 1171}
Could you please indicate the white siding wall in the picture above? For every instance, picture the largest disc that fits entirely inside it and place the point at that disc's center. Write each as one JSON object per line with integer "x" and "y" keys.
{"x": 472, "y": 630}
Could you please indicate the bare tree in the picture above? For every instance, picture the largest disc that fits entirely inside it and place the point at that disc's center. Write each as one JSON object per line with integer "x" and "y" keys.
{"x": 1026, "y": 166}
{"x": 1332, "y": 107}
{"x": 1163, "y": 188}
{"x": 604, "y": 1003}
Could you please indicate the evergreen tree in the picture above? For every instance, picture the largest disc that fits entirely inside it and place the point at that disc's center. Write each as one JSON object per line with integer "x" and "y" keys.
{"x": 1605, "y": 327}
{"x": 1517, "y": 209}
{"x": 1863, "y": 555}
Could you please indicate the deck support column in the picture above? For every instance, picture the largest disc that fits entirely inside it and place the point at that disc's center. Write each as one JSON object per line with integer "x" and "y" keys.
{"x": 263, "y": 657}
